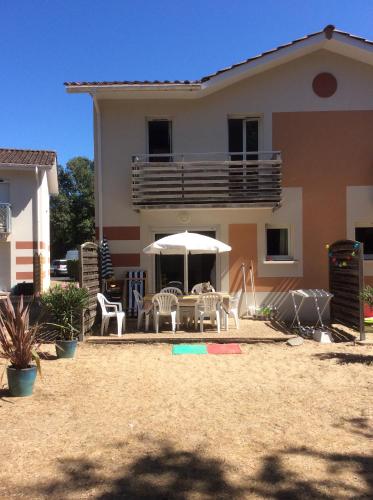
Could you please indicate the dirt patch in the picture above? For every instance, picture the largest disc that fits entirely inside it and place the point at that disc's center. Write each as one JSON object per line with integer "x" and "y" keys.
{"x": 134, "y": 421}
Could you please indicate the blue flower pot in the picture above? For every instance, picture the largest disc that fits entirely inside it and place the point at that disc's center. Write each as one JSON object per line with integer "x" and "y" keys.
{"x": 21, "y": 382}
{"x": 66, "y": 348}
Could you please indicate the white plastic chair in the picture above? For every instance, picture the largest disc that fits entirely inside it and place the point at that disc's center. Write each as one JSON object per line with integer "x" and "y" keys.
{"x": 141, "y": 311}
{"x": 209, "y": 306}
{"x": 172, "y": 289}
{"x": 166, "y": 304}
{"x": 199, "y": 287}
{"x": 111, "y": 310}
{"x": 233, "y": 309}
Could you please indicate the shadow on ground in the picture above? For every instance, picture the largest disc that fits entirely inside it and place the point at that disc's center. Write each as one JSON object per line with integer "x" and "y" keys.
{"x": 338, "y": 334}
{"x": 169, "y": 473}
{"x": 345, "y": 358}
{"x": 4, "y": 394}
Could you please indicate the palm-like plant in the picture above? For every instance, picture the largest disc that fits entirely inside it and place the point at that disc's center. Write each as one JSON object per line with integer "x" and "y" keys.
{"x": 66, "y": 304}
{"x": 18, "y": 340}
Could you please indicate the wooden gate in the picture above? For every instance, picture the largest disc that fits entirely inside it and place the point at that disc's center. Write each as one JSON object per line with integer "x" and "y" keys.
{"x": 346, "y": 281}
{"x": 89, "y": 278}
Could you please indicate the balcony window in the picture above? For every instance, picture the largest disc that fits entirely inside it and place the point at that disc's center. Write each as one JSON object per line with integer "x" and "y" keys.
{"x": 365, "y": 235}
{"x": 243, "y": 136}
{"x": 159, "y": 139}
{"x": 5, "y": 210}
{"x": 277, "y": 244}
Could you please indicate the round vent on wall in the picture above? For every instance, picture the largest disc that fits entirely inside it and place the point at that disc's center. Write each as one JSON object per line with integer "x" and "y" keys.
{"x": 324, "y": 84}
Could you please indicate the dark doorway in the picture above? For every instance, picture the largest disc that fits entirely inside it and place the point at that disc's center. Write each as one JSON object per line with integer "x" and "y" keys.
{"x": 159, "y": 139}
{"x": 169, "y": 269}
{"x": 243, "y": 142}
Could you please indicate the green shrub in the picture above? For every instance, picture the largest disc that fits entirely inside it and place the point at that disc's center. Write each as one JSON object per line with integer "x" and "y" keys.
{"x": 66, "y": 305}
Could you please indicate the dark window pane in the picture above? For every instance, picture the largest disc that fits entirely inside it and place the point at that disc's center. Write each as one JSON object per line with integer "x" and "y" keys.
{"x": 252, "y": 137}
{"x": 159, "y": 138}
{"x": 277, "y": 242}
{"x": 235, "y": 137}
{"x": 365, "y": 236}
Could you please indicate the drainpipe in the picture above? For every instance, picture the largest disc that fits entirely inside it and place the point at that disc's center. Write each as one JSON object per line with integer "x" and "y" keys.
{"x": 98, "y": 168}
{"x": 36, "y": 229}
{"x": 37, "y": 210}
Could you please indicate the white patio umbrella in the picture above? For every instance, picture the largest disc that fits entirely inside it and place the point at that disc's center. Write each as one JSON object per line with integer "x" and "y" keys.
{"x": 184, "y": 244}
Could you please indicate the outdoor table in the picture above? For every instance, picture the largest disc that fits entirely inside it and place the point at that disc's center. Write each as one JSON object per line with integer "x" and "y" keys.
{"x": 190, "y": 302}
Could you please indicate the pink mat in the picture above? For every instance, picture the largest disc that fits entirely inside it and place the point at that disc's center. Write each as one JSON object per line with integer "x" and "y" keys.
{"x": 224, "y": 349}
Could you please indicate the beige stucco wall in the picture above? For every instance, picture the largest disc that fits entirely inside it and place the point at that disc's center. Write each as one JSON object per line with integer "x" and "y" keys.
{"x": 200, "y": 125}
{"x": 26, "y": 214}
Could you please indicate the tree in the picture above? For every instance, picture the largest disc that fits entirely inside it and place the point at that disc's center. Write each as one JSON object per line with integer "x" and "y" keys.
{"x": 72, "y": 212}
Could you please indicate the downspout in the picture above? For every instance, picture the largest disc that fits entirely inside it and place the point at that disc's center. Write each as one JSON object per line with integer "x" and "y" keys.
{"x": 98, "y": 168}
{"x": 36, "y": 234}
{"x": 37, "y": 210}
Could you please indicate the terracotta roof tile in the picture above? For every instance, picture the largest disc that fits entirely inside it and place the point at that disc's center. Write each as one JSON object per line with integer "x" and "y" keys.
{"x": 27, "y": 157}
{"x": 133, "y": 82}
{"x": 328, "y": 32}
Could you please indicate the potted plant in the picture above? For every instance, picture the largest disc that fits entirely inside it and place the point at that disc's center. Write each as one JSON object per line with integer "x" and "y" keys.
{"x": 18, "y": 345}
{"x": 66, "y": 306}
{"x": 367, "y": 296}
{"x": 265, "y": 313}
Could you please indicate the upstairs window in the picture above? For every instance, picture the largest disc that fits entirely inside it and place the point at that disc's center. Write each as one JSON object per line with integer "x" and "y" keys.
{"x": 159, "y": 139}
{"x": 243, "y": 137}
{"x": 365, "y": 235}
{"x": 277, "y": 243}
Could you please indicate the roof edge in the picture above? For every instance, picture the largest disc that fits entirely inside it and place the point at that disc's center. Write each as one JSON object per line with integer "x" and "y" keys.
{"x": 326, "y": 34}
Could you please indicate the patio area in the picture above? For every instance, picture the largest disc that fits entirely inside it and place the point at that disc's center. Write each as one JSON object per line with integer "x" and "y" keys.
{"x": 250, "y": 331}
{"x": 135, "y": 422}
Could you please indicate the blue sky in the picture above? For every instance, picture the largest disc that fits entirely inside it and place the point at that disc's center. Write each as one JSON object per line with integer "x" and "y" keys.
{"x": 46, "y": 42}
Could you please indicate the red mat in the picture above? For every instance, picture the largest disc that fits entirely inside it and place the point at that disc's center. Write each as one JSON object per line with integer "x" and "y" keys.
{"x": 224, "y": 349}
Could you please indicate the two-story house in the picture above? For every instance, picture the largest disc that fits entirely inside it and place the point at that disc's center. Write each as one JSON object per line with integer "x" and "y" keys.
{"x": 273, "y": 155}
{"x": 27, "y": 179}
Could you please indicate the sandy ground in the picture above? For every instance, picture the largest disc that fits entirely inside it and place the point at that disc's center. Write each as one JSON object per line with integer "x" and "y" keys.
{"x": 133, "y": 421}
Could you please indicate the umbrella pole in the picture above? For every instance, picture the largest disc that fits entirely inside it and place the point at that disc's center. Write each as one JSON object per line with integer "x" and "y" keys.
{"x": 186, "y": 273}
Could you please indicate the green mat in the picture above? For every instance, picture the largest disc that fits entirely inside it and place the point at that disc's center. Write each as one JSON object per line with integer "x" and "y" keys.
{"x": 189, "y": 349}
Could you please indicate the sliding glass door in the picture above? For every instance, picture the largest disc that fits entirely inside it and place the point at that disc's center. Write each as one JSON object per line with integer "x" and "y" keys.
{"x": 169, "y": 269}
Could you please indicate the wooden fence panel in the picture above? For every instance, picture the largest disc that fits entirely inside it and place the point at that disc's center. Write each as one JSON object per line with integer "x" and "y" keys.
{"x": 89, "y": 278}
{"x": 346, "y": 281}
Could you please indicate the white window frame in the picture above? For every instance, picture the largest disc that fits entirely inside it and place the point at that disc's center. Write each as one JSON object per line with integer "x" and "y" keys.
{"x": 279, "y": 258}
{"x": 247, "y": 117}
{"x": 369, "y": 256}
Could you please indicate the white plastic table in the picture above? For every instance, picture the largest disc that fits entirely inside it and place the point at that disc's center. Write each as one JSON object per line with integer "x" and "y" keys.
{"x": 299, "y": 298}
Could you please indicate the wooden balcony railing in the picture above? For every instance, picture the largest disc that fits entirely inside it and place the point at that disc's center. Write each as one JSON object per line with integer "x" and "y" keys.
{"x": 207, "y": 180}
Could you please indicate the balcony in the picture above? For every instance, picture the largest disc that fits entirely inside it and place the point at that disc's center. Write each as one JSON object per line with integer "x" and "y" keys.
{"x": 207, "y": 180}
{"x": 5, "y": 220}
